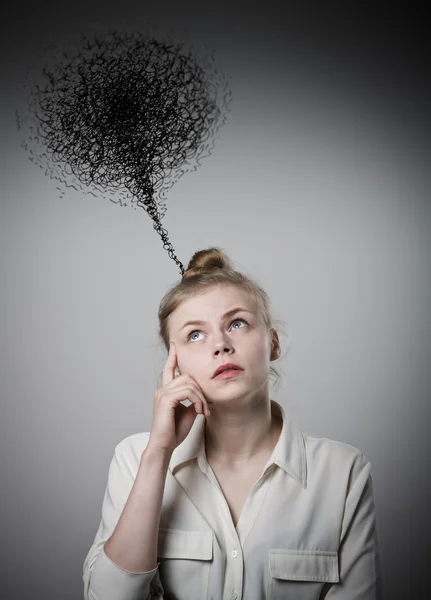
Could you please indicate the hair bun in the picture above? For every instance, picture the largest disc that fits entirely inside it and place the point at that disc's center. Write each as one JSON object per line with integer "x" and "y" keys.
{"x": 207, "y": 260}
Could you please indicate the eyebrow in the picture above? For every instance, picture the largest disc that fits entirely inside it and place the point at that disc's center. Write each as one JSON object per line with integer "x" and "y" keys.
{"x": 227, "y": 314}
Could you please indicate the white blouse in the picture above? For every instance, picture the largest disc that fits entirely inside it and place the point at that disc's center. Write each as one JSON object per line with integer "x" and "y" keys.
{"x": 307, "y": 530}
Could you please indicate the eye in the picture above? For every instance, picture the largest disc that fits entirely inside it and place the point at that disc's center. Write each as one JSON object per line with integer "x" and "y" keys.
{"x": 237, "y": 320}
{"x": 232, "y": 322}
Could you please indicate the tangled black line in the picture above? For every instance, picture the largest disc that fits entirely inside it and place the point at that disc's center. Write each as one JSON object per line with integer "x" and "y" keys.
{"x": 127, "y": 112}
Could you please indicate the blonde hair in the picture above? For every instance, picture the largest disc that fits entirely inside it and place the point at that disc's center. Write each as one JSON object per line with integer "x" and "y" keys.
{"x": 207, "y": 268}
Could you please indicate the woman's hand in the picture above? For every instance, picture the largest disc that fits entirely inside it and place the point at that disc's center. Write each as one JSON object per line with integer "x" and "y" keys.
{"x": 172, "y": 420}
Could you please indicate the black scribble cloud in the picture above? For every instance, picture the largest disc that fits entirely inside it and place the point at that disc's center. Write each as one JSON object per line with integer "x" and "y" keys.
{"x": 126, "y": 116}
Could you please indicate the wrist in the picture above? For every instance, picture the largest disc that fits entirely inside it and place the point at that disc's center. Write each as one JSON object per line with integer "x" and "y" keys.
{"x": 154, "y": 455}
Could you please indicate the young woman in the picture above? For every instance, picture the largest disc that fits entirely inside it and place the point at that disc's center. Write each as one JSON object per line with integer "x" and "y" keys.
{"x": 226, "y": 499}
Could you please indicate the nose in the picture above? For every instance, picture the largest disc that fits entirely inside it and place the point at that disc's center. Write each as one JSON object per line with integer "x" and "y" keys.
{"x": 218, "y": 352}
{"x": 222, "y": 347}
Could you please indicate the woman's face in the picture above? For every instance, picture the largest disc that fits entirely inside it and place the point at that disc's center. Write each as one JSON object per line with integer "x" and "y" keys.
{"x": 240, "y": 337}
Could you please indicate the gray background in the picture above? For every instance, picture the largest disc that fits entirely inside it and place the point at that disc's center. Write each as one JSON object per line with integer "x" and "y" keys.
{"x": 318, "y": 186}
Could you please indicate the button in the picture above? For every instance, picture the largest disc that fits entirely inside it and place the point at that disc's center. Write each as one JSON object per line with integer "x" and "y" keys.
{"x": 233, "y": 596}
{"x": 234, "y": 553}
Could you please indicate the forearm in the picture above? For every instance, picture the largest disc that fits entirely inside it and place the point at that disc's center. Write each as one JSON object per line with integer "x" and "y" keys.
{"x": 133, "y": 544}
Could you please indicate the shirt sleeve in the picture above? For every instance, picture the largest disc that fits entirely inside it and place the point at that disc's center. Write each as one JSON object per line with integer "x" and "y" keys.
{"x": 104, "y": 579}
{"x": 360, "y": 569}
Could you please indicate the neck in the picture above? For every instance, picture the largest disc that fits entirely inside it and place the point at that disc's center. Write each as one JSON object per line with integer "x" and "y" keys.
{"x": 238, "y": 436}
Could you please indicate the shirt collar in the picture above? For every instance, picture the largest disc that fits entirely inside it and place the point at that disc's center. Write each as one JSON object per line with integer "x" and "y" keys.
{"x": 289, "y": 452}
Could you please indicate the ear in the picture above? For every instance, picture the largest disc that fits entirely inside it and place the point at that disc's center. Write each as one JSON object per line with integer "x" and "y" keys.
{"x": 275, "y": 345}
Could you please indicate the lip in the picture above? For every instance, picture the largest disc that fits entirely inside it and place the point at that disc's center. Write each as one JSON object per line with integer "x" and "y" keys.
{"x": 228, "y": 374}
{"x": 217, "y": 372}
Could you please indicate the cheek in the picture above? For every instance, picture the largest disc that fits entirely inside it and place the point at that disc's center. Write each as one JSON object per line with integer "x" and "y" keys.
{"x": 189, "y": 363}
{"x": 259, "y": 356}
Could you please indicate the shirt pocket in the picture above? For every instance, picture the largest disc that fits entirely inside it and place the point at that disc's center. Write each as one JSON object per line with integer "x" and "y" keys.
{"x": 300, "y": 574}
{"x": 185, "y": 558}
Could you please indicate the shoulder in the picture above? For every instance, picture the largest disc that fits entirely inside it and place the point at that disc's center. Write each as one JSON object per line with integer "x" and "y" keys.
{"x": 334, "y": 458}
{"x": 331, "y": 447}
{"x": 131, "y": 447}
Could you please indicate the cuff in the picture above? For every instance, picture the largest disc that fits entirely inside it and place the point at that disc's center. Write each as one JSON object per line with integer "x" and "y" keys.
{"x": 110, "y": 582}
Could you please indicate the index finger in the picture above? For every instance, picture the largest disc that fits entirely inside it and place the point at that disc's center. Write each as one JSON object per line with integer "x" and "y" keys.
{"x": 168, "y": 373}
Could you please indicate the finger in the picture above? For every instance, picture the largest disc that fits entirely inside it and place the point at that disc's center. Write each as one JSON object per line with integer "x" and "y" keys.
{"x": 203, "y": 403}
{"x": 201, "y": 395}
{"x": 187, "y": 380}
{"x": 168, "y": 373}
{"x": 195, "y": 398}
